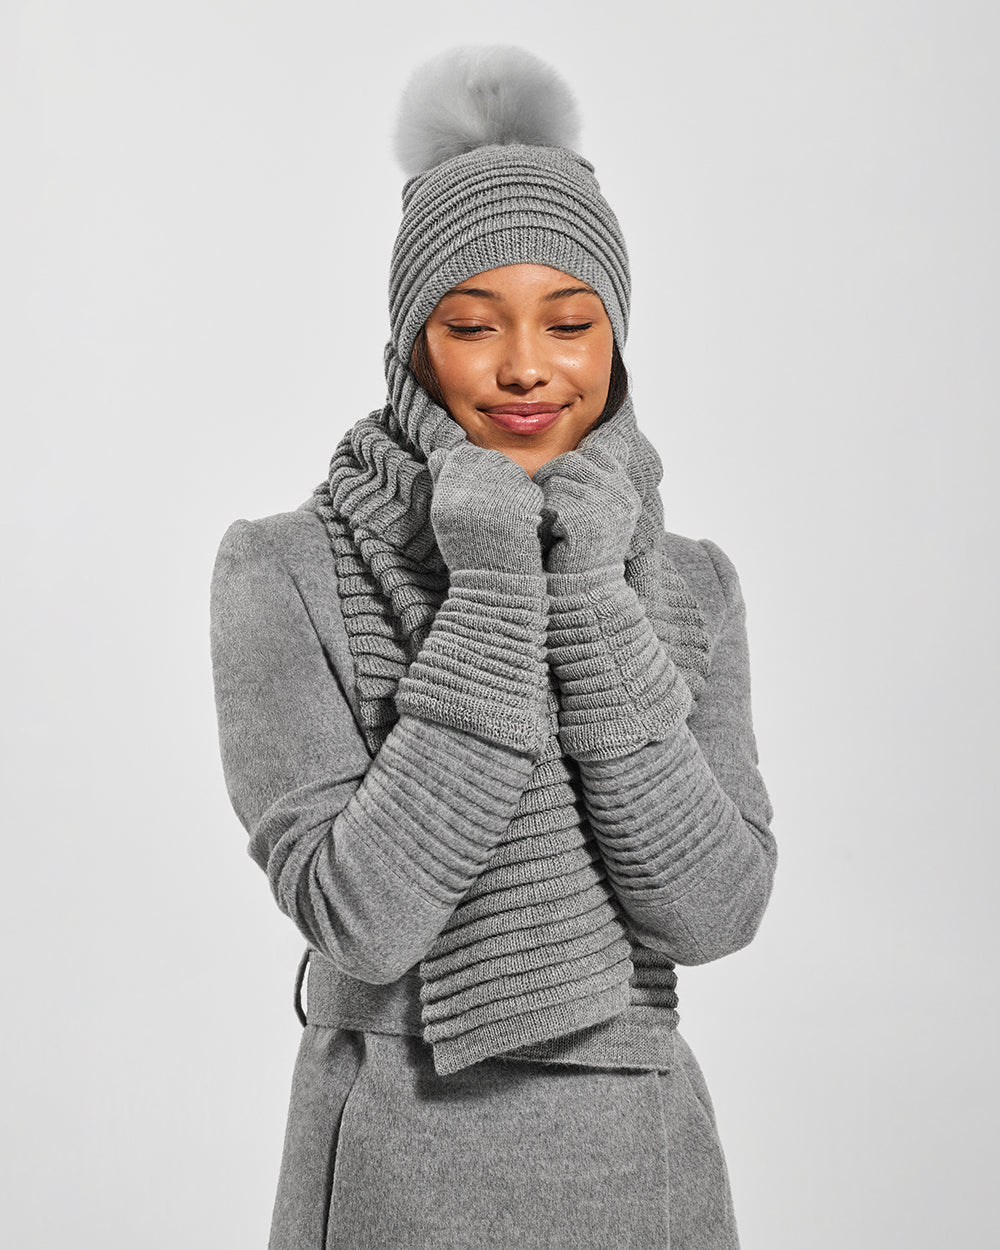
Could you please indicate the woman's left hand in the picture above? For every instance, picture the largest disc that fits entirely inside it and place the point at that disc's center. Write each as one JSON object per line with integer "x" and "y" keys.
{"x": 591, "y": 506}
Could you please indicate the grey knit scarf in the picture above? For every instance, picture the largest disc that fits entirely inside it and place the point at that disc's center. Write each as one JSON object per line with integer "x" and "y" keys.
{"x": 538, "y": 947}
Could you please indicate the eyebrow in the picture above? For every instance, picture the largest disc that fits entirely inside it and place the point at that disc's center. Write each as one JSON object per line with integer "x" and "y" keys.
{"x": 566, "y": 291}
{"x": 483, "y": 293}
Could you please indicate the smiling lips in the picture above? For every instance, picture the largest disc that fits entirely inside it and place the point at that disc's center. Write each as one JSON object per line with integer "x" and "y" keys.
{"x": 524, "y": 418}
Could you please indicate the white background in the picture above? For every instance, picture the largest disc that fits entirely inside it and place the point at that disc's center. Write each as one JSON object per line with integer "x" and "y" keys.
{"x": 199, "y": 204}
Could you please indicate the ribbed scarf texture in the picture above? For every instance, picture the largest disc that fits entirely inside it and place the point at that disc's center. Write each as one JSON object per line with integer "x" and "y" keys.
{"x": 538, "y": 948}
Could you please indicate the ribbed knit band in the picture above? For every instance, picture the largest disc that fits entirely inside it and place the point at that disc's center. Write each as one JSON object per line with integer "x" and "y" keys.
{"x": 619, "y": 689}
{"x": 482, "y": 667}
{"x": 661, "y": 818}
{"x": 536, "y": 949}
{"x": 504, "y": 204}
{"x": 434, "y": 804}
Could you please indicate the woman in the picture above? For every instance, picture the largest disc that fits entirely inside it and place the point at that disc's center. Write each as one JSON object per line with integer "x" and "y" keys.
{"x": 488, "y": 727}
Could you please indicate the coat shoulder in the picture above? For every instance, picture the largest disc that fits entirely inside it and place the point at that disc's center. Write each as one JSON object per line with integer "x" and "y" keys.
{"x": 301, "y": 546}
{"x": 696, "y": 561}
{"x": 293, "y": 536}
{"x": 296, "y": 534}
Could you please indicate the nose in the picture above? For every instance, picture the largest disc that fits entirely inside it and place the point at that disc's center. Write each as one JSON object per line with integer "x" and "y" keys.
{"x": 523, "y": 362}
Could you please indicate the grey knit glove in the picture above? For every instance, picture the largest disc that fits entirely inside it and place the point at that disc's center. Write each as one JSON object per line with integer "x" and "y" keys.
{"x": 590, "y": 506}
{"x": 618, "y": 687}
{"x": 486, "y": 510}
{"x": 482, "y": 667}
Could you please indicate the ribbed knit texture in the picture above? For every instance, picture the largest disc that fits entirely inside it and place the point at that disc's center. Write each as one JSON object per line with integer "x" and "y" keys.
{"x": 537, "y": 949}
{"x": 405, "y": 789}
{"x": 484, "y": 667}
{"x": 499, "y": 205}
{"x": 619, "y": 689}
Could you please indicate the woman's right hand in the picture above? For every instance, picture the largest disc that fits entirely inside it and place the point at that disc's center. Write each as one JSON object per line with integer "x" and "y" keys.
{"x": 485, "y": 510}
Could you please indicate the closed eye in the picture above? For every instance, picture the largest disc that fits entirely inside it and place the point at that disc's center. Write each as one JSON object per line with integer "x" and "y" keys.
{"x": 466, "y": 331}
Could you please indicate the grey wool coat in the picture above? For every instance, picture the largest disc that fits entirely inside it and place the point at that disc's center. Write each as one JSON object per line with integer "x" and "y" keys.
{"x": 380, "y": 1151}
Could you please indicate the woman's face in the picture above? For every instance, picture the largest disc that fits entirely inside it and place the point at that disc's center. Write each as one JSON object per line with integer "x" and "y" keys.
{"x": 522, "y": 355}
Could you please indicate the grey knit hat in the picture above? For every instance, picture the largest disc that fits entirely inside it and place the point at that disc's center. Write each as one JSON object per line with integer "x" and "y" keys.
{"x": 487, "y": 137}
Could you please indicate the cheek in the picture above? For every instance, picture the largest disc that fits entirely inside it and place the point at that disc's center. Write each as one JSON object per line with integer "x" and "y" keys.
{"x": 456, "y": 370}
{"x": 590, "y": 371}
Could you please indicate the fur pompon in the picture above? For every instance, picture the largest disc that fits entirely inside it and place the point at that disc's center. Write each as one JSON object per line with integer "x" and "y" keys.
{"x": 470, "y": 96}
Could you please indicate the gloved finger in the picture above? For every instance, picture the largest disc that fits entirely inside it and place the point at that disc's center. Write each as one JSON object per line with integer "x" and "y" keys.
{"x": 617, "y": 447}
{"x": 597, "y": 470}
{"x": 551, "y": 468}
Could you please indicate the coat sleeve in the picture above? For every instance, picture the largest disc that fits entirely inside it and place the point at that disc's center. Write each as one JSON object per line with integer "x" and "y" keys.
{"x": 368, "y": 857}
{"x": 683, "y": 821}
